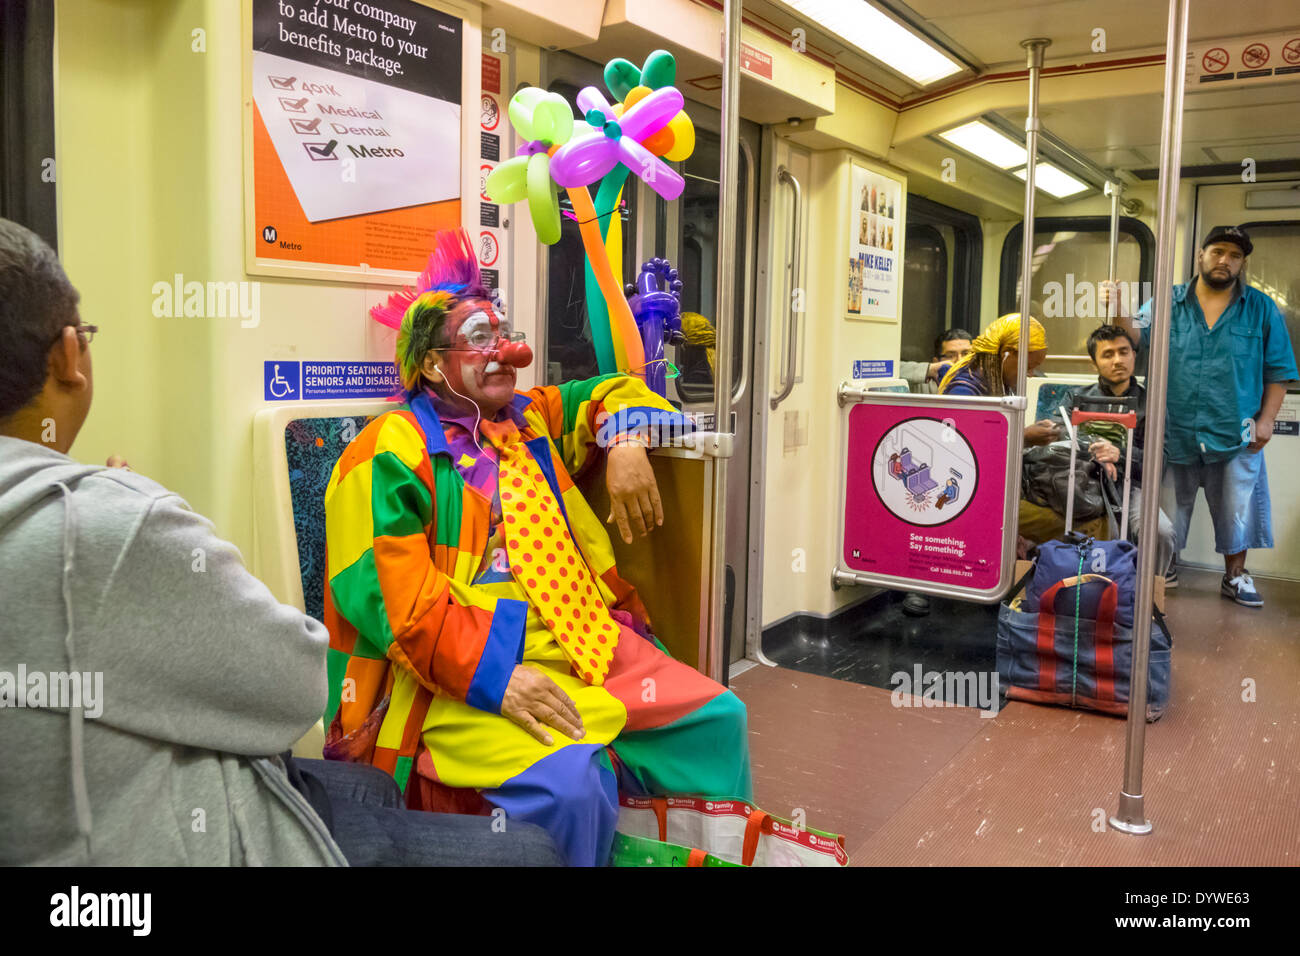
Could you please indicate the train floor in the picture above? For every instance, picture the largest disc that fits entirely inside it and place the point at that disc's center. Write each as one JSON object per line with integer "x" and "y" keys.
{"x": 1033, "y": 785}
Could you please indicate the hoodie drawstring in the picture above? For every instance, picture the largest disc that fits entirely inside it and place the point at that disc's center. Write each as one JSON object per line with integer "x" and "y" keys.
{"x": 80, "y": 791}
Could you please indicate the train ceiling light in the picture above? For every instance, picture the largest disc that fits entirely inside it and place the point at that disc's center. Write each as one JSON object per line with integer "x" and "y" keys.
{"x": 986, "y": 143}
{"x": 1053, "y": 181}
{"x": 862, "y": 26}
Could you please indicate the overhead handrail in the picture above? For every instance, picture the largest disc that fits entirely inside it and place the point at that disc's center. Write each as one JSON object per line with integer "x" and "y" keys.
{"x": 783, "y": 175}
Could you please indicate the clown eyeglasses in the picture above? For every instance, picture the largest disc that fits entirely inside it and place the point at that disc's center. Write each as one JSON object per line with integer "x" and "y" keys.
{"x": 485, "y": 340}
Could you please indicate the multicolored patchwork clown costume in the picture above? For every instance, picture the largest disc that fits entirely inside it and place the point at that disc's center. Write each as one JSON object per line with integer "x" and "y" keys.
{"x": 460, "y": 550}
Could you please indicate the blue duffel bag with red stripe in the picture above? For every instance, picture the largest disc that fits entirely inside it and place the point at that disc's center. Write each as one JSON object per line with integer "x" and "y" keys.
{"x": 1070, "y": 640}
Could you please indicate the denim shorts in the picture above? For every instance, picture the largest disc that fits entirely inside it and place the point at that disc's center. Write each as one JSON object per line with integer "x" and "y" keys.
{"x": 1237, "y": 493}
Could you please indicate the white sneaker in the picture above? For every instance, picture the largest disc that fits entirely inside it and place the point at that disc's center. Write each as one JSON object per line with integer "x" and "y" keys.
{"x": 1242, "y": 590}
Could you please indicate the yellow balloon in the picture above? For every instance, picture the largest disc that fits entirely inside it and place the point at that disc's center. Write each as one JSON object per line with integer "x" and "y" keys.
{"x": 635, "y": 95}
{"x": 683, "y": 137}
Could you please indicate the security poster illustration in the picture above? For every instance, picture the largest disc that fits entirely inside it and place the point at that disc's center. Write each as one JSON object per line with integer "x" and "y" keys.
{"x": 356, "y": 131}
{"x": 924, "y": 471}
{"x": 924, "y": 494}
{"x": 875, "y": 244}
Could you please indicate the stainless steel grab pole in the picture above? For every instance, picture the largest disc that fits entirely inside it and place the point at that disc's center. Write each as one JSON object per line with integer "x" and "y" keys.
{"x": 1130, "y": 817}
{"x": 724, "y": 325}
{"x": 1113, "y": 189}
{"x": 784, "y": 175}
{"x": 1035, "y": 48}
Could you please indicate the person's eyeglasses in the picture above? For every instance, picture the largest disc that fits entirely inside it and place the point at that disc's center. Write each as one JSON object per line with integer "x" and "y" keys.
{"x": 485, "y": 340}
{"x": 87, "y": 332}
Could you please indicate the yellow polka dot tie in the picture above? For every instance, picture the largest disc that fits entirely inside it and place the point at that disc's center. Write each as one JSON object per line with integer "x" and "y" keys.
{"x": 546, "y": 561}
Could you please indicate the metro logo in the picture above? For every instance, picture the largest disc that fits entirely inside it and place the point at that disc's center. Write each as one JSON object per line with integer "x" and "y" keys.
{"x": 375, "y": 152}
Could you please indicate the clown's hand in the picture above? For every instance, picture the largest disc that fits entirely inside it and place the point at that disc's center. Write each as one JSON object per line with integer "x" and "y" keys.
{"x": 633, "y": 492}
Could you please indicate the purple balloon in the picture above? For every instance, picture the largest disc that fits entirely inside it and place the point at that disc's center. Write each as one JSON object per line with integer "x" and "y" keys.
{"x": 583, "y": 161}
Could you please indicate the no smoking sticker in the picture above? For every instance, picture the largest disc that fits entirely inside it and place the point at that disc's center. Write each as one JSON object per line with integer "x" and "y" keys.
{"x": 1255, "y": 55}
{"x": 1214, "y": 60}
{"x": 1291, "y": 52}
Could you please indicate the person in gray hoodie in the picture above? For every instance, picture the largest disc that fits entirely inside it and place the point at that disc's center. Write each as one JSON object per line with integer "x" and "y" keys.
{"x": 147, "y": 680}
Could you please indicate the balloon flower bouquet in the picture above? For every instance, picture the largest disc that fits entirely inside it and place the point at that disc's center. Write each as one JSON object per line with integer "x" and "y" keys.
{"x": 633, "y": 136}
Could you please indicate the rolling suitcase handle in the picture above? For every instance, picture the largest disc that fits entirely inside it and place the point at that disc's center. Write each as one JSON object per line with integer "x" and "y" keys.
{"x": 1129, "y": 421}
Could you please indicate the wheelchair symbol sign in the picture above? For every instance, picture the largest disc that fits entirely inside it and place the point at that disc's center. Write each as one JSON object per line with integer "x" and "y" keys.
{"x": 280, "y": 381}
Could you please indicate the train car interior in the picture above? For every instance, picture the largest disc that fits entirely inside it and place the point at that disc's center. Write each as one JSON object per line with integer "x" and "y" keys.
{"x": 859, "y": 187}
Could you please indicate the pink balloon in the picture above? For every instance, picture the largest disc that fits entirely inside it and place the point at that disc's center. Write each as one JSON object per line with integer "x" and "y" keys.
{"x": 651, "y": 114}
{"x": 589, "y": 98}
{"x": 581, "y": 162}
{"x": 657, "y": 174}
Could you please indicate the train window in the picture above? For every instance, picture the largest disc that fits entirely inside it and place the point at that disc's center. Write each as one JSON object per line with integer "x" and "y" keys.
{"x": 569, "y": 350}
{"x": 941, "y": 262}
{"x": 1271, "y": 267}
{"x": 27, "y": 118}
{"x": 925, "y": 299}
{"x": 1069, "y": 252}
{"x": 698, "y": 257}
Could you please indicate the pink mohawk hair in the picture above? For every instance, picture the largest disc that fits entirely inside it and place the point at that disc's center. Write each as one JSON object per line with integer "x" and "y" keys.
{"x": 453, "y": 268}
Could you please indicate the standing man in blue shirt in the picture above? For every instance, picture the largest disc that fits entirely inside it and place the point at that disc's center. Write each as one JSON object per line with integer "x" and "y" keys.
{"x": 1230, "y": 360}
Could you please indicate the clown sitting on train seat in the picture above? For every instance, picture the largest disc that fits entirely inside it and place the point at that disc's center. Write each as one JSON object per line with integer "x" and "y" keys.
{"x": 495, "y": 658}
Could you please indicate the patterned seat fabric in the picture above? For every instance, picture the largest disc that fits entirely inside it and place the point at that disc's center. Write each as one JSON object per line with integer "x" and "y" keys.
{"x": 312, "y": 446}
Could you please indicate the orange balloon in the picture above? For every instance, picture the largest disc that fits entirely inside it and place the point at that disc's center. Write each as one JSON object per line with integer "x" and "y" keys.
{"x": 661, "y": 142}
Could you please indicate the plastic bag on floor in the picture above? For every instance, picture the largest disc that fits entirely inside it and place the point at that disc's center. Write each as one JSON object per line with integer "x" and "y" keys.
{"x": 724, "y": 831}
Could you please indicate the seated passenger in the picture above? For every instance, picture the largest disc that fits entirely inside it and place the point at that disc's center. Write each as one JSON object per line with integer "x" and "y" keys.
{"x": 991, "y": 369}
{"x": 494, "y": 649}
{"x": 923, "y": 377}
{"x": 1113, "y": 356}
{"x": 148, "y": 701}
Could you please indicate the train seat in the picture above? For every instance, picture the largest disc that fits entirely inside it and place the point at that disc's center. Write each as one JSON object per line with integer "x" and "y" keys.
{"x": 294, "y": 450}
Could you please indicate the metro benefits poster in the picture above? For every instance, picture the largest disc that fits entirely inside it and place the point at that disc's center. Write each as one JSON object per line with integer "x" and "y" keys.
{"x": 356, "y": 131}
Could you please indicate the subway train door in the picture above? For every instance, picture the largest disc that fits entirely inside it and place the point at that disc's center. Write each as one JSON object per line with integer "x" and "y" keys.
{"x": 1270, "y": 214}
{"x": 685, "y": 232}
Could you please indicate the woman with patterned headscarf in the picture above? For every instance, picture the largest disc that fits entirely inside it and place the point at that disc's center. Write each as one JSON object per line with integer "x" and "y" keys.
{"x": 990, "y": 368}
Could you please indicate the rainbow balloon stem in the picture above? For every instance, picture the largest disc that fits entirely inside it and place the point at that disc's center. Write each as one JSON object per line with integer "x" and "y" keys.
{"x": 656, "y": 306}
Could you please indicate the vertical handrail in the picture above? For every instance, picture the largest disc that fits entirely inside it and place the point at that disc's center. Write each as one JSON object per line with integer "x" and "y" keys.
{"x": 1130, "y": 817}
{"x": 747, "y": 300}
{"x": 725, "y": 299}
{"x": 1034, "y": 48}
{"x": 1113, "y": 189}
{"x": 791, "y": 331}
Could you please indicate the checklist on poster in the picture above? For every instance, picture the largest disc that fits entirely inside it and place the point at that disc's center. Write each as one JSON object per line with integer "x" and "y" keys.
{"x": 361, "y": 102}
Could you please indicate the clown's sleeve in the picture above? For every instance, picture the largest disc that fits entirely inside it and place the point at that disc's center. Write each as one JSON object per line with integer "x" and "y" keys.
{"x": 384, "y": 515}
{"x": 587, "y": 416}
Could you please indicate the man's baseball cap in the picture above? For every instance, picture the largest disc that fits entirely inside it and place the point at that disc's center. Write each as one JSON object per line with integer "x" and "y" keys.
{"x": 1230, "y": 234}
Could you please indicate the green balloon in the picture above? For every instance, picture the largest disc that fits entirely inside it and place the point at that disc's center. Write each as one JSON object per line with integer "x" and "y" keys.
{"x": 543, "y": 201}
{"x": 620, "y": 76}
{"x": 507, "y": 184}
{"x": 660, "y": 70}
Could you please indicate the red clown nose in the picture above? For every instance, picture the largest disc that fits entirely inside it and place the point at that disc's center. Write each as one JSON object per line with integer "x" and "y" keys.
{"x": 517, "y": 354}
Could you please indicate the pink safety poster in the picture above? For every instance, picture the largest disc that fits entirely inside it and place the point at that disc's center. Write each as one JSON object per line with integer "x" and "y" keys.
{"x": 924, "y": 493}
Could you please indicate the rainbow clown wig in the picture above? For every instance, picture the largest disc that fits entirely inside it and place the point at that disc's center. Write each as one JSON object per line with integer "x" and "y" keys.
{"x": 450, "y": 281}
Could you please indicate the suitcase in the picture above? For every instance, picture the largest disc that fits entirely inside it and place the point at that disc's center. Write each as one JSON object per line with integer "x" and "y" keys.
{"x": 1069, "y": 642}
